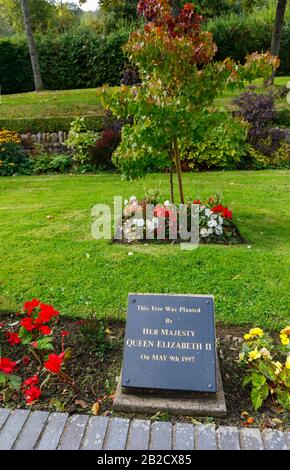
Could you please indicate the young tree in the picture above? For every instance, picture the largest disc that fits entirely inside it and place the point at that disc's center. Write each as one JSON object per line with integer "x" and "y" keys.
{"x": 277, "y": 33}
{"x": 174, "y": 56}
{"x": 32, "y": 47}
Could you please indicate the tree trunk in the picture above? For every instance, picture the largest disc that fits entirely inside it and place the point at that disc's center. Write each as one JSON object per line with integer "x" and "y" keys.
{"x": 178, "y": 169}
{"x": 31, "y": 44}
{"x": 277, "y": 33}
{"x": 171, "y": 176}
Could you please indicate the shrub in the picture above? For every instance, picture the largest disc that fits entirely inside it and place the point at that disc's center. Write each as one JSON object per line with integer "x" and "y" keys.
{"x": 268, "y": 367}
{"x": 110, "y": 137}
{"x": 282, "y": 118}
{"x": 12, "y": 158}
{"x": 221, "y": 143}
{"x": 80, "y": 140}
{"x": 49, "y": 162}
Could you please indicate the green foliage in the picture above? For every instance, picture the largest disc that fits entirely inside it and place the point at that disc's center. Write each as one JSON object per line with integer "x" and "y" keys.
{"x": 258, "y": 161}
{"x": 9, "y": 383}
{"x": 239, "y": 35}
{"x": 282, "y": 118}
{"x": 265, "y": 373}
{"x": 75, "y": 59}
{"x": 220, "y": 144}
{"x": 96, "y": 333}
{"x": 51, "y": 163}
{"x": 13, "y": 160}
{"x": 49, "y": 124}
{"x": 80, "y": 140}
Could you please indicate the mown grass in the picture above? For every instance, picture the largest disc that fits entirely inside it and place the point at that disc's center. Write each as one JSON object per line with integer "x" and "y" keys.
{"x": 82, "y": 102}
{"x": 47, "y": 251}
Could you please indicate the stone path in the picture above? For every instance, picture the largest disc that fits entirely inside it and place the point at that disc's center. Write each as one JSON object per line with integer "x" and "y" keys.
{"x": 25, "y": 430}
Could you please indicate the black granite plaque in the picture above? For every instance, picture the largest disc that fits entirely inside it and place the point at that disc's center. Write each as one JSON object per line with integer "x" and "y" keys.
{"x": 170, "y": 343}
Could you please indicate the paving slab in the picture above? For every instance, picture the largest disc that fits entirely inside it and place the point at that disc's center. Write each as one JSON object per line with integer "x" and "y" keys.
{"x": 161, "y": 436}
{"x": 31, "y": 430}
{"x": 117, "y": 433}
{"x": 186, "y": 404}
{"x": 4, "y": 413}
{"x": 95, "y": 433}
{"x": 251, "y": 439}
{"x": 274, "y": 440}
{"x": 228, "y": 438}
{"x": 139, "y": 434}
{"x": 12, "y": 428}
{"x": 183, "y": 436}
{"x": 52, "y": 432}
{"x": 205, "y": 437}
{"x": 73, "y": 432}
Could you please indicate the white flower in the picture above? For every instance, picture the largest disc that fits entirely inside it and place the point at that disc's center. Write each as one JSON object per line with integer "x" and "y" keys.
{"x": 207, "y": 212}
{"x": 203, "y": 232}
{"x": 140, "y": 222}
{"x": 126, "y": 202}
{"x": 210, "y": 231}
{"x": 221, "y": 220}
{"x": 201, "y": 208}
{"x": 214, "y": 216}
{"x": 133, "y": 199}
{"x": 166, "y": 203}
{"x": 218, "y": 230}
{"x": 266, "y": 353}
{"x": 212, "y": 223}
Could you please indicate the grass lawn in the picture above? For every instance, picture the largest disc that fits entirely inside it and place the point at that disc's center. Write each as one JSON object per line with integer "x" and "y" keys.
{"x": 47, "y": 250}
{"x": 82, "y": 102}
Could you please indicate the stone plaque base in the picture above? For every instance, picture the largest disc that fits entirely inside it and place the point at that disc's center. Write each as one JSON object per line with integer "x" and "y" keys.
{"x": 174, "y": 403}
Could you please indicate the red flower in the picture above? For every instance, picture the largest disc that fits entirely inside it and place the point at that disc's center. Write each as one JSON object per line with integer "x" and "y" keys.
{"x": 2, "y": 325}
{"x": 54, "y": 362}
{"x": 26, "y": 360}
{"x": 197, "y": 201}
{"x": 65, "y": 333}
{"x": 47, "y": 312}
{"x": 6, "y": 365}
{"x": 13, "y": 338}
{"x": 28, "y": 323}
{"x": 224, "y": 211}
{"x": 30, "y": 306}
{"x": 34, "y": 344}
{"x": 32, "y": 394}
{"x": 45, "y": 330}
{"x": 31, "y": 381}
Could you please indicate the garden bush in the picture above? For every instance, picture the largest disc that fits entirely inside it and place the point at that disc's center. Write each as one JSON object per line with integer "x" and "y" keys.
{"x": 239, "y": 35}
{"x": 76, "y": 59}
{"x": 12, "y": 158}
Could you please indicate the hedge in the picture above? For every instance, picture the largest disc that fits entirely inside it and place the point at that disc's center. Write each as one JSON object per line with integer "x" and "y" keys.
{"x": 80, "y": 59}
{"x": 237, "y": 35}
{"x": 85, "y": 59}
{"x": 50, "y": 124}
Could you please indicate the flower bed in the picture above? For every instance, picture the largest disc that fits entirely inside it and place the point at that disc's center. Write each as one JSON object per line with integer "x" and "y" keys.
{"x": 162, "y": 223}
{"x": 92, "y": 359}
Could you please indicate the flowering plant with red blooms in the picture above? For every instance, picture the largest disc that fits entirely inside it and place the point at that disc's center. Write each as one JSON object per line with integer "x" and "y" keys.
{"x": 34, "y": 380}
{"x": 32, "y": 394}
{"x": 13, "y": 338}
{"x": 224, "y": 211}
{"x": 7, "y": 366}
{"x": 54, "y": 363}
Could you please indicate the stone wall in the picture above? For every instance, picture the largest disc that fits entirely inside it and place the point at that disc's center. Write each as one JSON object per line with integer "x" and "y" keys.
{"x": 48, "y": 142}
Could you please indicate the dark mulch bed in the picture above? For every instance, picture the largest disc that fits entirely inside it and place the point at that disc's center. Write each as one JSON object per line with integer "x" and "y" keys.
{"x": 96, "y": 379}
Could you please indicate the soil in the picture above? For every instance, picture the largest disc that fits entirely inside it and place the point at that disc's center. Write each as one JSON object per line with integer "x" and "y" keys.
{"x": 96, "y": 376}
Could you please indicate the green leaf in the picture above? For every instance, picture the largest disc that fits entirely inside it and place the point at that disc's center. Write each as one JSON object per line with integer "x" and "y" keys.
{"x": 3, "y": 378}
{"x": 15, "y": 381}
{"x": 258, "y": 380}
{"x": 25, "y": 336}
{"x": 258, "y": 395}
{"x": 45, "y": 343}
{"x": 267, "y": 370}
{"x": 247, "y": 379}
{"x": 283, "y": 397}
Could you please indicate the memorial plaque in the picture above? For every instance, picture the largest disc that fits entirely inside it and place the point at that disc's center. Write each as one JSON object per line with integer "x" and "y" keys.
{"x": 170, "y": 343}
